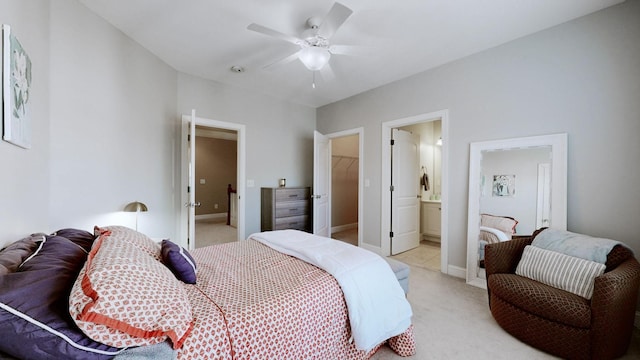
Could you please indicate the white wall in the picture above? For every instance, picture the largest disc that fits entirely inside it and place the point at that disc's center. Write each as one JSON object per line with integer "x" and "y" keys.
{"x": 581, "y": 77}
{"x": 95, "y": 95}
{"x": 279, "y": 139}
{"x": 112, "y": 119}
{"x": 105, "y": 129}
{"x": 24, "y": 178}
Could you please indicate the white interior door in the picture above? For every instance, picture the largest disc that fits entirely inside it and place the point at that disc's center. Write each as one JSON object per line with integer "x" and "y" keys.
{"x": 321, "y": 184}
{"x": 405, "y": 192}
{"x": 188, "y": 161}
{"x": 191, "y": 187}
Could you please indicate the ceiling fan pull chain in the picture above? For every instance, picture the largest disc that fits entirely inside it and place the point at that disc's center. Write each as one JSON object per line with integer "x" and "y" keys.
{"x": 313, "y": 82}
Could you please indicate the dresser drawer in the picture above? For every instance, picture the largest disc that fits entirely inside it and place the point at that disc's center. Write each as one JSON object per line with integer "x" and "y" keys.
{"x": 292, "y": 208}
{"x": 285, "y": 208}
{"x": 292, "y": 194}
{"x": 292, "y": 222}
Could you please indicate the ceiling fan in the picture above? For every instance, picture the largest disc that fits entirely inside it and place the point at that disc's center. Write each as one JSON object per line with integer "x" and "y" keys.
{"x": 315, "y": 47}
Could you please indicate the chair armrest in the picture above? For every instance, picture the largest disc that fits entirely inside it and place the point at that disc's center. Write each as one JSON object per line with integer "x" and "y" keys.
{"x": 613, "y": 307}
{"x": 501, "y": 258}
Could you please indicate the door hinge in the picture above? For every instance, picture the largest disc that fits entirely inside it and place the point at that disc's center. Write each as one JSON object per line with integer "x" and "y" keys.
{"x": 391, "y": 188}
{"x": 188, "y": 189}
{"x": 390, "y": 233}
{"x": 393, "y": 142}
{"x": 188, "y": 137}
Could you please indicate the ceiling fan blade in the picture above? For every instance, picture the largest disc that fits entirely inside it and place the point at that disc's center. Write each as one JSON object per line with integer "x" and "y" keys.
{"x": 350, "y": 50}
{"x": 277, "y": 34}
{"x": 283, "y": 61}
{"x": 327, "y": 73}
{"x": 334, "y": 19}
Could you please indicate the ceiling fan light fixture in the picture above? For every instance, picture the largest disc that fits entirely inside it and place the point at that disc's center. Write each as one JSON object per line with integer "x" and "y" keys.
{"x": 314, "y": 57}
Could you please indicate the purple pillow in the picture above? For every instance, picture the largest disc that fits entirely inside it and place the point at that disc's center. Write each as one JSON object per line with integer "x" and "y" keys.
{"x": 15, "y": 253}
{"x": 79, "y": 237}
{"x": 34, "y": 307}
{"x": 179, "y": 261}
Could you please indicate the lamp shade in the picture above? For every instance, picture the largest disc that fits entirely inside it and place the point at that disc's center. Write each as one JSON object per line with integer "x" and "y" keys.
{"x": 135, "y": 206}
{"x": 314, "y": 57}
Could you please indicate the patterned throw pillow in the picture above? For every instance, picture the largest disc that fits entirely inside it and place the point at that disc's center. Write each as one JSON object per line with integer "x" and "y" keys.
{"x": 34, "y": 306}
{"x": 124, "y": 296}
{"x": 179, "y": 261}
{"x": 561, "y": 271}
{"x": 503, "y": 223}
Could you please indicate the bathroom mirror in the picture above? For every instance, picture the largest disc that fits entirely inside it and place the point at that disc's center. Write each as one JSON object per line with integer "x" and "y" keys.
{"x": 521, "y": 180}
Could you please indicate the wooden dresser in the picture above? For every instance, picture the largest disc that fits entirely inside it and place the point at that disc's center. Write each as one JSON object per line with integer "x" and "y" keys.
{"x": 285, "y": 208}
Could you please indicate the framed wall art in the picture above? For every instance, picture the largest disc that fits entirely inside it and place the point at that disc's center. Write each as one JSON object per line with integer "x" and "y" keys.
{"x": 504, "y": 185}
{"x": 16, "y": 90}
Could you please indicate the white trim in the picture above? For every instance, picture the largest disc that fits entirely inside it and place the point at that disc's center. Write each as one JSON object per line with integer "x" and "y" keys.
{"x": 385, "y": 208}
{"x": 241, "y": 172}
{"x": 558, "y": 143}
{"x": 211, "y": 216}
{"x": 344, "y": 227}
{"x": 457, "y": 271}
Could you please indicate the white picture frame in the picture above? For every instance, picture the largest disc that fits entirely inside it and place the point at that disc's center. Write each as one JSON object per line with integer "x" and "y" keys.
{"x": 16, "y": 89}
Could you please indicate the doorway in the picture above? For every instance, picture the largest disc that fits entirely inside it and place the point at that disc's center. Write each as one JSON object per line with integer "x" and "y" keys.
{"x": 209, "y": 129}
{"x": 216, "y": 169}
{"x": 345, "y": 179}
{"x": 435, "y": 127}
{"x": 347, "y": 164}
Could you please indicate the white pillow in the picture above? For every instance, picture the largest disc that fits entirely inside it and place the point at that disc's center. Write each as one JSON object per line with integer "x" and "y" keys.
{"x": 561, "y": 271}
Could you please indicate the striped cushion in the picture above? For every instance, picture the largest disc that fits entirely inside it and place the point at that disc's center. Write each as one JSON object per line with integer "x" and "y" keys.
{"x": 561, "y": 271}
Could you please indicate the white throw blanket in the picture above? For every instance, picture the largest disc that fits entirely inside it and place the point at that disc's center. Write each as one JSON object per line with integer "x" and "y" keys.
{"x": 576, "y": 245}
{"x": 378, "y": 309}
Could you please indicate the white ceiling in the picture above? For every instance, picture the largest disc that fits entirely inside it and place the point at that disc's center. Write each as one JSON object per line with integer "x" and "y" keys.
{"x": 403, "y": 37}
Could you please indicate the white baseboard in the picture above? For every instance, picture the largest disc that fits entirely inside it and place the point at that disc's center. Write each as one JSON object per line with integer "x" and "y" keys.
{"x": 344, "y": 227}
{"x": 211, "y": 216}
{"x": 457, "y": 271}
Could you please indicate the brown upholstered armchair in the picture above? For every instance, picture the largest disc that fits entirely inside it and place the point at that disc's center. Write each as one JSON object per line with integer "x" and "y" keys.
{"x": 559, "y": 322}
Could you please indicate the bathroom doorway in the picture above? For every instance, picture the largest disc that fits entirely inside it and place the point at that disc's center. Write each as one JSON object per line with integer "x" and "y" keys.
{"x": 438, "y": 181}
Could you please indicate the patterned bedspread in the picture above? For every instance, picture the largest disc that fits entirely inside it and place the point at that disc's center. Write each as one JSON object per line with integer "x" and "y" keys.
{"x": 252, "y": 302}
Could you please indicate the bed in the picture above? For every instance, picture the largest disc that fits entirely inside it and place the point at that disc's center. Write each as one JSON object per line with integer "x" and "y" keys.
{"x": 118, "y": 294}
{"x": 494, "y": 229}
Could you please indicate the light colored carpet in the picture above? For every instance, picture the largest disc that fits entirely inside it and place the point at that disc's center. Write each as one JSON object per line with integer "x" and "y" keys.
{"x": 214, "y": 231}
{"x": 451, "y": 319}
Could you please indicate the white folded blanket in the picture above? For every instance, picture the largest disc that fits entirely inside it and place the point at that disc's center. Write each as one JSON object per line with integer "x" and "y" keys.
{"x": 377, "y": 307}
{"x": 576, "y": 245}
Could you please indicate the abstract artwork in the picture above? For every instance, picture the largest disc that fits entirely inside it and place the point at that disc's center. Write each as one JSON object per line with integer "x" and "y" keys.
{"x": 16, "y": 89}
